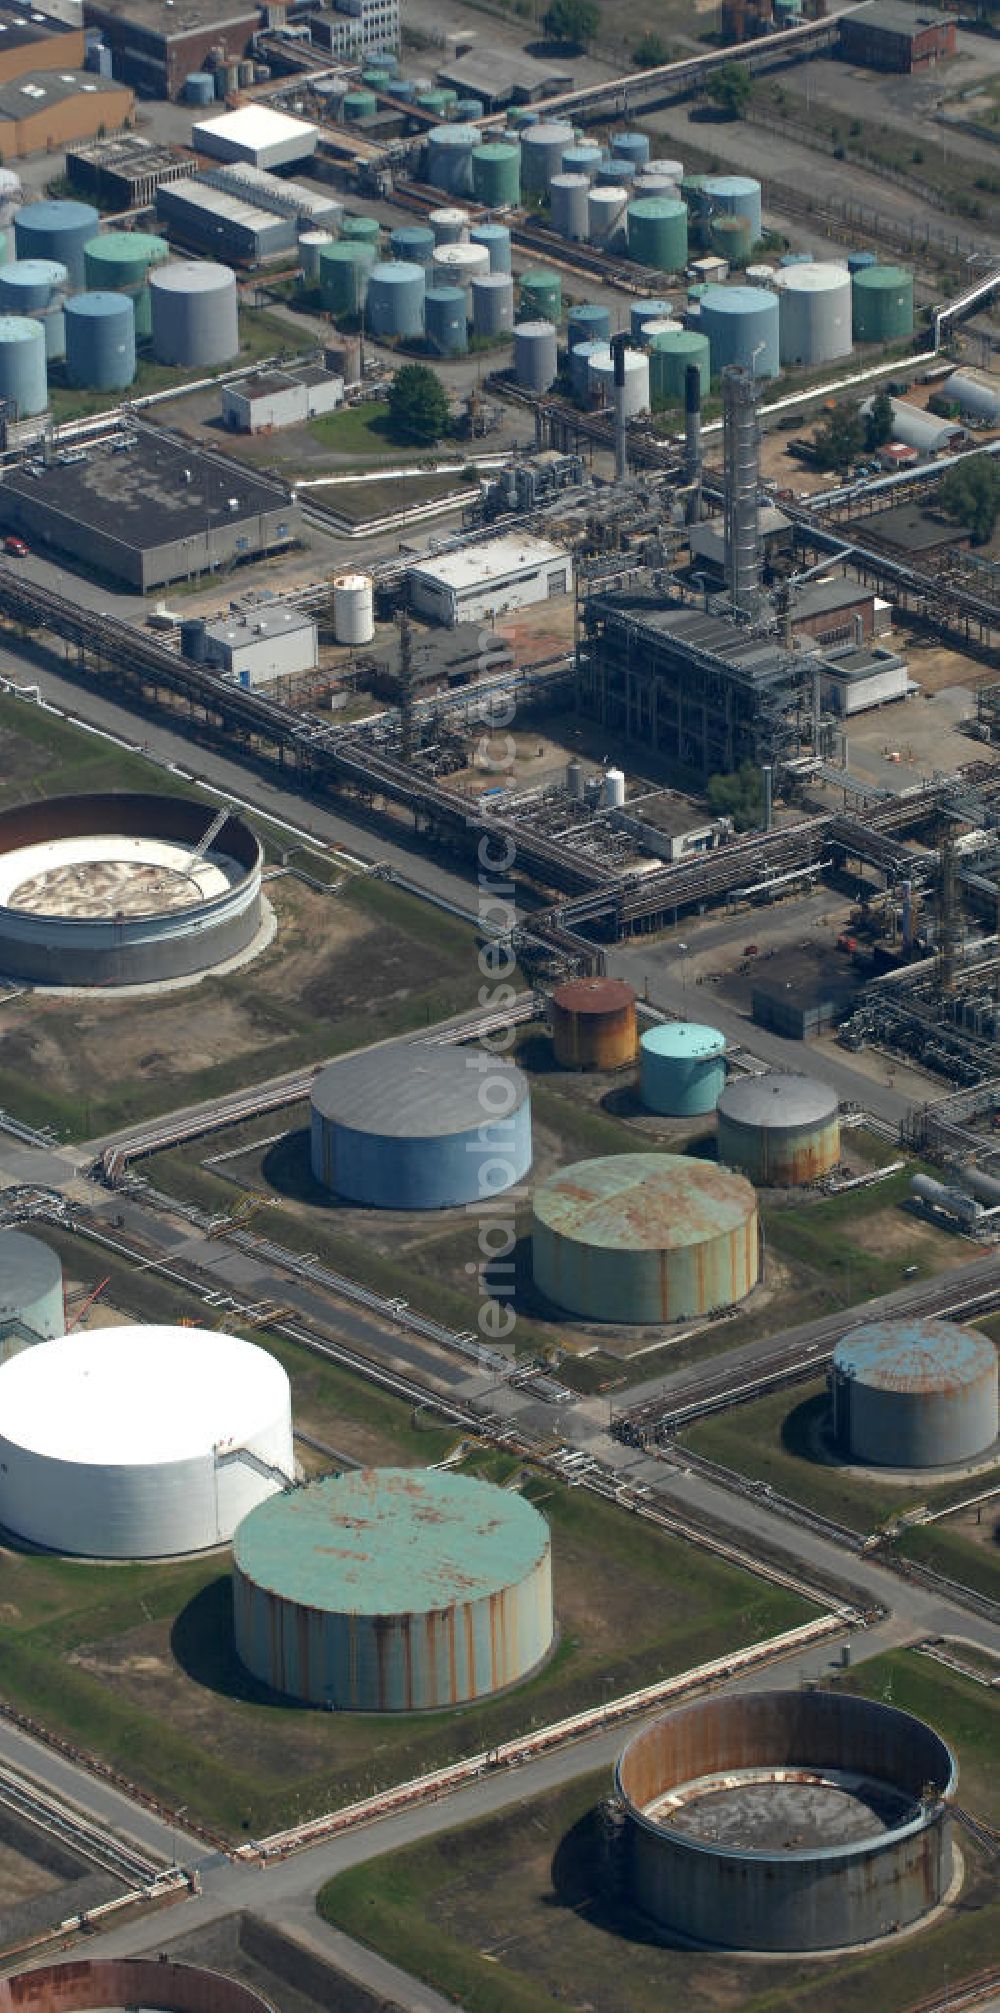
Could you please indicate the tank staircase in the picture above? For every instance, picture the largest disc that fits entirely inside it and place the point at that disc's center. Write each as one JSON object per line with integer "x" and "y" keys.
{"x": 228, "y": 1456}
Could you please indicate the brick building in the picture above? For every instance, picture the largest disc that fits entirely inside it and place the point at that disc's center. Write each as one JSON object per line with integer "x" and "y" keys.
{"x": 154, "y": 48}
{"x": 891, "y": 35}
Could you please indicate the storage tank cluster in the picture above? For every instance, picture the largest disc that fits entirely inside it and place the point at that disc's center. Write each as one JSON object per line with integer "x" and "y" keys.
{"x": 439, "y": 277}
{"x": 913, "y": 1394}
{"x": 409, "y": 1128}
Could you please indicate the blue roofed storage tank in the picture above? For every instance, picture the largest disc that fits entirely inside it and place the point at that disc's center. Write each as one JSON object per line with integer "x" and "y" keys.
{"x": 446, "y": 320}
{"x": 408, "y": 1127}
{"x": 682, "y": 1068}
{"x": 741, "y": 324}
{"x": 449, "y": 158}
{"x": 914, "y": 1394}
{"x": 24, "y": 380}
{"x": 396, "y": 299}
{"x": 37, "y": 287}
{"x": 779, "y": 1129}
{"x": 733, "y": 196}
{"x": 496, "y": 238}
{"x": 31, "y": 1291}
{"x": 640, "y": 1237}
{"x": 56, "y": 230}
{"x": 100, "y": 341}
{"x": 393, "y": 1590}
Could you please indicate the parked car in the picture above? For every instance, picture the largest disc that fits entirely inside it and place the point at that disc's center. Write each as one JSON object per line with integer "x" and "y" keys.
{"x": 16, "y": 547}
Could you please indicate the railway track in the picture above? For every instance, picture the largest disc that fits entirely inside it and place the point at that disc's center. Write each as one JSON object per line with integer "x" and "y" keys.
{"x": 90, "y": 1841}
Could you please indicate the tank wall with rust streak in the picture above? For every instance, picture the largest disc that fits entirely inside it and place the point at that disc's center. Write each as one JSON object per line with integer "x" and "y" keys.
{"x": 601, "y": 1284}
{"x": 774, "y": 1155}
{"x": 593, "y": 1024}
{"x": 812, "y": 1897}
{"x": 128, "y": 1981}
{"x": 919, "y": 1394}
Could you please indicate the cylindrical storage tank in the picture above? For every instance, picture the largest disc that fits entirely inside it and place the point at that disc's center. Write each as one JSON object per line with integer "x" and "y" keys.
{"x": 914, "y": 1393}
{"x": 120, "y": 262}
{"x": 100, "y": 341}
{"x": 760, "y": 275}
{"x": 31, "y": 1292}
{"x": 311, "y": 243}
{"x": 814, "y": 313}
{"x": 582, "y": 158}
{"x": 602, "y": 378}
{"x": 536, "y": 355}
{"x": 615, "y": 174}
{"x": 395, "y": 305}
{"x": 374, "y": 77}
{"x": 199, "y": 88}
{"x": 669, "y": 356}
{"x": 673, "y": 170}
{"x": 134, "y": 1443}
{"x": 458, "y": 265}
{"x": 568, "y": 195}
{"x": 393, "y": 1590}
{"x": 343, "y": 276}
{"x": 353, "y": 609}
{"x": 469, "y": 110}
{"x": 649, "y": 184}
{"x": 781, "y": 1130}
{"x": 883, "y": 304}
{"x": 734, "y": 196}
{"x": 588, "y": 321}
{"x": 492, "y": 297}
{"x": 682, "y": 1069}
{"x": 541, "y": 295}
{"x": 496, "y": 238}
{"x": 741, "y": 324}
{"x": 796, "y": 259}
{"x": 434, "y": 100}
{"x": 449, "y": 225}
{"x": 496, "y": 174}
{"x": 593, "y": 1024}
{"x": 359, "y": 105}
{"x": 579, "y": 365}
{"x": 412, "y": 242}
{"x": 606, "y": 208}
{"x": 57, "y": 231}
{"x": 194, "y": 313}
{"x": 657, "y": 233}
{"x": 360, "y": 230}
{"x": 37, "y": 287}
{"x": 405, "y": 1128}
{"x": 446, "y": 320}
{"x": 23, "y": 375}
{"x": 542, "y": 149}
{"x": 730, "y": 239}
{"x": 642, "y": 312}
{"x": 632, "y": 147}
{"x": 613, "y": 789}
{"x": 449, "y": 158}
{"x": 857, "y": 261}
{"x": 786, "y": 1821}
{"x": 642, "y": 1237}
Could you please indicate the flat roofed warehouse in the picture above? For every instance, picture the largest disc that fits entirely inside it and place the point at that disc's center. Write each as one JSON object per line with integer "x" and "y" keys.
{"x": 162, "y": 511}
{"x": 481, "y": 580}
{"x": 408, "y": 1127}
{"x": 255, "y": 133}
{"x": 393, "y": 1590}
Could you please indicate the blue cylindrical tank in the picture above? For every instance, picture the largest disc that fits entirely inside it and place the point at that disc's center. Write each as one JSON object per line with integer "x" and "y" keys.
{"x": 682, "y": 1068}
{"x": 469, "y": 110}
{"x": 199, "y": 88}
{"x": 588, "y": 321}
{"x": 857, "y": 261}
{"x": 614, "y": 174}
{"x": 396, "y": 299}
{"x": 445, "y": 324}
{"x": 449, "y": 158}
{"x": 579, "y": 362}
{"x": 37, "y": 287}
{"x": 733, "y": 196}
{"x": 58, "y": 231}
{"x": 917, "y": 1393}
{"x": 492, "y": 297}
{"x": 414, "y": 242}
{"x": 741, "y": 324}
{"x": 496, "y": 238}
{"x": 632, "y": 147}
{"x": 100, "y": 341}
{"x": 23, "y": 376}
{"x": 396, "y": 1129}
{"x": 802, "y": 259}
{"x": 582, "y": 158}
{"x": 642, "y": 312}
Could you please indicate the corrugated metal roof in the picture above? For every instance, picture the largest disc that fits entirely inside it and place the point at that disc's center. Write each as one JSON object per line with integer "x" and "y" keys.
{"x": 685, "y": 1040}
{"x": 598, "y": 996}
{"x": 390, "y": 1541}
{"x": 779, "y": 1100}
{"x": 644, "y": 1201}
{"x": 408, "y": 1092}
{"x": 917, "y": 1356}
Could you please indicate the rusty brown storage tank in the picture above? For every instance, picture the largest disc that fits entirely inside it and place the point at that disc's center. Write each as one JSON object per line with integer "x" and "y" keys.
{"x": 393, "y": 1590}
{"x": 914, "y": 1394}
{"x": 643, "y": 1237}
{"x": 782, "y": 1131}
{"x": 785, "y": 1820}
{"x": 128, "y": 1981}
{"x": 594, "y": 1025}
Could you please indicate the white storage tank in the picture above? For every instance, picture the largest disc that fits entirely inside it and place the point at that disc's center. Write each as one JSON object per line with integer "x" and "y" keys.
{"x": 613, "y": 789}
{"x": 606, "y": 206}
{"x": 814, "y": 312}
{"x": 601, "y": 375}
{"x": 133, "y": 1443}
{"x": 536, "y": 356}
{"x": 449, "y": 225}
{"x": 31, "y": 1291}
{"x": 194, "y": 313}
{"x": 569, "y": 205}
{"x": 456, "y": 265}
{"x": 310, "y": 245}
{"x": 353, "y": 609}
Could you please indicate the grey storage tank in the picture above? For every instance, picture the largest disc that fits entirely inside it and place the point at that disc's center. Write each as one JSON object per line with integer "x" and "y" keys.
{"x": 31, "y": 1292}
{"x": 449, "y": 225}
{"x": 23, "y": 376}
{"x": 446, "y": 320}
{"x": 733, "y": 196}
{"x": 100, "y": 341}
{"x": 413, "y": 1128}
{"x": 492, "y": 304}
{"x": 542, "y": 149}
{"x": 395, "y": 305}
{"x": 568, "y": 195}
{"x": 814, "y": 312}
{"x": 536, "y": 356}
{"x": 194, "y": 313}
{"x": 37, "y": 287}
{"x": 413, "y": 243}
{"x": 914, "y": 1394}
{"x": 496, "y": 238}
{"x": 59, "y": 231}
{"x": 781, "y": 1130}
{"x": 449, "y": 158}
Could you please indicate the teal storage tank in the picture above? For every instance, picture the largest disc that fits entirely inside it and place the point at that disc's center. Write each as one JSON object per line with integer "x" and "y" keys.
{"x": 587, "y": 321}
{"x": 445, "y": 320}
{"x": 583, "y": 158}
{"x": 496, "y": 238}
{"x": 100, "y": 341}
{"x": 657, "y": 233}
{"x": 682, "y": 1069}
{"x": 119, "y": 262}
{"x": 882, "y": 304}
{"x": 57, "y": 230}
{"x": 413, "y": 242}
{"x": 23, "y": 376}
{"x": 730, "y": 239}
{"x": 669, "y": 356}
{"x": 857, "y": 261}
{"x": 360, "y": 230}
{"x": 496, "y": 174}
{"x": 733, "y": 196}
{"x": 741, "y": 324}
{"x": 360, "y": 105}
{"x": 395, "y": 306}
{"x": 632, "y": 147}
{"x": 541, "y": 295}
{"x": 343, "y": 276}
{"x": 199, "y": 88}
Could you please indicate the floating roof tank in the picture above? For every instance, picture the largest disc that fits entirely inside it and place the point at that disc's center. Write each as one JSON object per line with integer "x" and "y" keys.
{"x": 882, "y": 304}
{"x": 593, "y": 1024}
{"x": 31, "y": 1290}
{"x": 644, "y": 1237}
{"x": 814, "y": 313}
{"x": 194, "y": 313}
{"x": 100, "y": 341}
{"x": 495, "y": 173}
{"x": 914, "y": 1394}
{"x": 23, "y": 375}
{"x": 741, "y": 324}
{"x": 657, "y": 233}
{"x": 682, "y": 1068}
{"x": 446, "y": 320}
{"x": 395, "y": 305}
{"x": 59, "y": 231}
{"x": 411, "y": 1128}
{"x": 393, "y": 1590}
{"x": 781, "y": 1130}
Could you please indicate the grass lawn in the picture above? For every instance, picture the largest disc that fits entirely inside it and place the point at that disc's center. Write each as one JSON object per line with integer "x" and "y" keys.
{"x": 513, "y": 1915}
{"x": 41, "y": 756}
{"x": 946, "y": 1549}
{"x": 364, "y": 430}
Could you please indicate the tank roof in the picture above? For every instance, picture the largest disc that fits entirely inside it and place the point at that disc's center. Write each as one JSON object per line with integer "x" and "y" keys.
{"x": 34, "y": 272}
{"x": 58, "y": 215}
{"x": 738, "y": 300}
{"x": 684, "y": 1040}
{"x": 127, "y": 247}
{"x": 644, "y": 1201}
{"x": 594, "y": 996}
{"x": 778, "y": 1099}
{"x": 386, "y": 1541}
{"x": 914, "y": 1356}
{"x": 192, "y": 276}
{"x": 411, "y": 1092}
{"x": 122, "y": 1397}
{"x": 876, "y": 278}
{"x": 28, "y": 1268}
{"x": 100, "y": 306}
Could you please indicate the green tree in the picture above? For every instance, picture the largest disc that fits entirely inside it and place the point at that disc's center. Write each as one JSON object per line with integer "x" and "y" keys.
{"x": 878, "y": 422}
{"x": 740, "y": 797}
{"x": 418, "y": 405}
{"x": 841, "y": 438}
{"x": 572, "y": 22}
{"x": 650, "y": 52}
{"x": 731, "y": 89}
{"x": 970, "y": 494}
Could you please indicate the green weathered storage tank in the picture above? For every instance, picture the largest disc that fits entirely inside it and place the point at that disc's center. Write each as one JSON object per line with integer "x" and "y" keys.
{"x": 360, "y": 105}
{"x": 360, "y": 230}
{"x": 669, "y": 356}
{"x": 119, "y": 262}
{"x": 882, "y": 304}
{"x": 343, "y": 275}
{"x": 731, "y": 238}
{"x": 541, "y": 296}
{"x": 657, "y": 233}
{"x": 496, "y": 174}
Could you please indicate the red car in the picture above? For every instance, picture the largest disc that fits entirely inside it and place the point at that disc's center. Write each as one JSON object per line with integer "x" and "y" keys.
{"x": 16, "y": 547}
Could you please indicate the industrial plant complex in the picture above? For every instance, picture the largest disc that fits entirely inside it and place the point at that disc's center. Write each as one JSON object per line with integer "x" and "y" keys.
{"x": 499, "y": 1007}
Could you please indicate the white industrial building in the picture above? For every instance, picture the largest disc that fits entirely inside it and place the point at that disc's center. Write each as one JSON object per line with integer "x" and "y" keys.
{"x": 483, "y": 581}
{"x": 257, "y": 645}
{"x": 277, "y": 398}
{"x": 353, "y": 26}
{"x": 131, "y": 1443}
{"x": 861, "y": 676}
{"x": 255, "y": 133}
